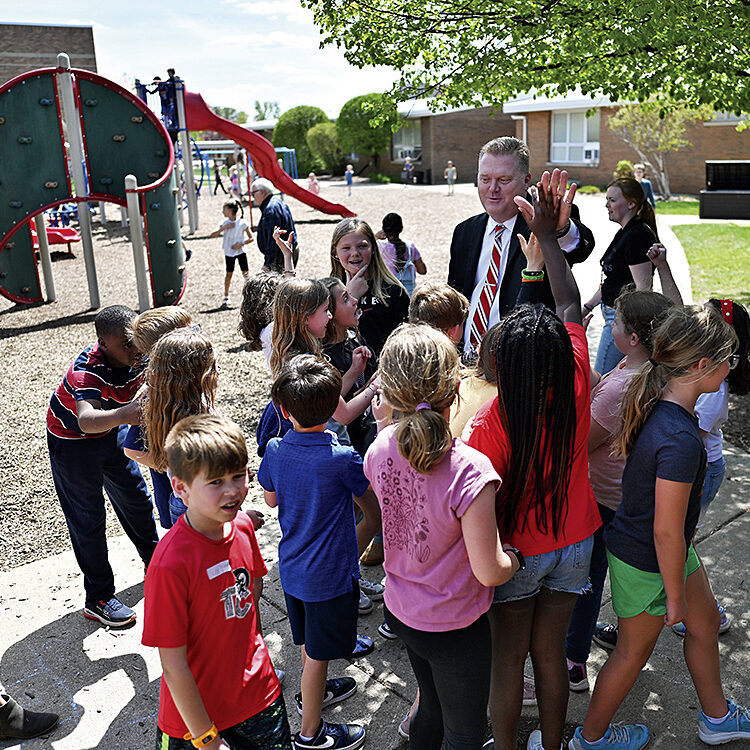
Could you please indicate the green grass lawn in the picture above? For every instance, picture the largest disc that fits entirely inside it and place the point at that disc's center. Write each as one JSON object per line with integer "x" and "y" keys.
{"x": 683, "y": 208}
{"x": 719, "y": 258}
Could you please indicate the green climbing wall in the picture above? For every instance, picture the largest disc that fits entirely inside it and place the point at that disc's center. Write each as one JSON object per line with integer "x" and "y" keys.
{"x": 18, "y": 272}
{"x": 119, "y": 140}
{"x": 166, "y": 256}
{"x": 32, "y": 158}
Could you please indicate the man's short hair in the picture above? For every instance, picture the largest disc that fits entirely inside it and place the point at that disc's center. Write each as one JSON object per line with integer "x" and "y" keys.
{"x": 507, "y": 145}
{"x": 438, "y": 305}
{"x": 309, "y": 388}
{"x": 113, "y": 320}
{"x": 261, "y": 183}
{"x": 207, "y": 444}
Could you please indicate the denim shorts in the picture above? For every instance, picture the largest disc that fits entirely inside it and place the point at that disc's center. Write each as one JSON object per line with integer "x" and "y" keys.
{"x": 565, "y": 569}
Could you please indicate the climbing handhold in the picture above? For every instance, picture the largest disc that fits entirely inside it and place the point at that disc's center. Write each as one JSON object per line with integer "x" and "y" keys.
{"x": 155, "y": 206}
{"x": 15, "y": 204}
{"x": 119, "y": 138}
{"x": 137, "y": 119}
{"x": 3, "y": 274}
{"x": 170, "y": 243}
{"x": 25, "y": 289}
{"x": 180, "y": 269}
{"x": 10, "y": 245}
{"x": 51, "y": 184}
{"x": 152, "y": 175}
{"x": 91, "y": 102}
{"x": 24, "y": 140}
{"x": 160, "y": 152}
{"x": 45, "y": 102}
{"x": 105, "y": 181}
{"x": 169, "y": 293}
{"x": 2, "y": 121}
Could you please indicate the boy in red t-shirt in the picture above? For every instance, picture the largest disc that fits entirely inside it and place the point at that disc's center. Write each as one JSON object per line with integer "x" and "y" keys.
{"x": 219, "y": 688}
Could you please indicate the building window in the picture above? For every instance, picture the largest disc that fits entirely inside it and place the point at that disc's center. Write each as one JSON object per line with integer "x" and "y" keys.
{"x": 727, "y": 118}
{"x": 408, "y": 141}
{"x": 575, "y": 138}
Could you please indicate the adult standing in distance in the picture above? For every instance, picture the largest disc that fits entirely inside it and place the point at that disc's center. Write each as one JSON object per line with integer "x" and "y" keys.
{"x": 485, "y": 260}
{"x": 274, "y": 213}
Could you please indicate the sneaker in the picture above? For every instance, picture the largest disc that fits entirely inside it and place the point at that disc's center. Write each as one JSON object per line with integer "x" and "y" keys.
{"x": 334, "y": 736}
{"x": 736, "y": 726}
{"x": 617, "y": 737}
{"x": 385, "y": 630}
{"x": 373, "y": 555}
{"x": 577, "y": 678}
{"x": 373, "y": 590}
{"x": 225, "y": 302}
{"x": 535, "y": 741}
{"x": 404, "y": 726}
{"x": 605, "y": 635}
{"x": 365, "y": 645}
{"x": 529, "y": 691}
{"x": 280, "y": 675}
{"x": 338, "y": 689}
{"x": 724, "y": 623}
{"x": 18, "y": 723}
{"x": 113, "y": 613}
{"x": 489, "y": 745}
{"x": 365, "y": 604}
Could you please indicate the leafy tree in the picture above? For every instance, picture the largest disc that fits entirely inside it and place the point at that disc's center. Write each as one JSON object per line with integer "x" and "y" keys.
{"x": 266, "y": 110}
{"x": 653, "y": 130}
{"x": 324, "y": 145}
{"x": 360, "y": 132}
{"x": 624, "y": 168}
{"x": 291, "y": 131}
{"x": 230, "y": 113}
{"x": 472, "y": 52}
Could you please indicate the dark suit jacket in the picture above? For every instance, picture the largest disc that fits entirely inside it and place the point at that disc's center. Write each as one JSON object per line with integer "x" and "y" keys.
{"x": 466, "y": 248}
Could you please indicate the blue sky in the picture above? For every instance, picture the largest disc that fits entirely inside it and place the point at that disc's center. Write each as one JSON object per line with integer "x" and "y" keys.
{"x": 231, "y": 51}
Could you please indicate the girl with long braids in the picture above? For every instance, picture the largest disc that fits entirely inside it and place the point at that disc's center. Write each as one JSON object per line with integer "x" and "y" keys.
{"x": 656, "y": 576}
{"x": 535, "y": 433}
{"x": 402, "y": 258}
{"x": 625, "y": 261}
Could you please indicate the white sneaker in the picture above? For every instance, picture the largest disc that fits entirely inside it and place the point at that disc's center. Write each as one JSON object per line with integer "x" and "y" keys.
{"x": 374, "y": 591}
{"x": 365, "y": 604}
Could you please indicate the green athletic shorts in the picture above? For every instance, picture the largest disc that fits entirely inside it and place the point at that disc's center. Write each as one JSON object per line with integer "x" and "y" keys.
{"x": 635, "y": 591}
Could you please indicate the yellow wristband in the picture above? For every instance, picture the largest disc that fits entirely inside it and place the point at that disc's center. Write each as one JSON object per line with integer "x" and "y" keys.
{"x": 205, "y": 738}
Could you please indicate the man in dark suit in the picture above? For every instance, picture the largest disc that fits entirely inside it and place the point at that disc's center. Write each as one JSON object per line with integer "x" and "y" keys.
{"x": 486, "y": 258}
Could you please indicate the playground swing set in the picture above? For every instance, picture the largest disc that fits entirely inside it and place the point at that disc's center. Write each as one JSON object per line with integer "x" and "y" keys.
{"x": 71, "y": 136}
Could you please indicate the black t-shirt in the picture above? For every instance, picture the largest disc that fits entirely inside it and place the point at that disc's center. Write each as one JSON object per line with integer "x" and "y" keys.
{"x": 378, "y": 320}
{"x": 361, "y": 430}
{"x": 668, "y": 447}
{"x": 628, "y": 248}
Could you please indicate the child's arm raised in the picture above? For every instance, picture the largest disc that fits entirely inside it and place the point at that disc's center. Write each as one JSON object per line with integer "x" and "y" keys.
{"x": 669, "y": 541}
{"x": 657, "y": 254}
{"x": 286, "y": 247}
{"x": 185, "y": 693}
{"x": 489, "y": 563}
{"x": 348, "y": 411}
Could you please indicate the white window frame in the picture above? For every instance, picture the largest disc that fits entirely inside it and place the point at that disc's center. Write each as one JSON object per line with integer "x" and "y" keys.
{"x": 401, "y": 148}
{"x": 726, "y": 118}
{"x": 590, "y": 147}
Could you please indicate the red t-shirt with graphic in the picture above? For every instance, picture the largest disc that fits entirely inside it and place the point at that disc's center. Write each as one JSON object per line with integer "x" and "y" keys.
{"x": 199, "y": 593}
{"x": 488, "y": 436}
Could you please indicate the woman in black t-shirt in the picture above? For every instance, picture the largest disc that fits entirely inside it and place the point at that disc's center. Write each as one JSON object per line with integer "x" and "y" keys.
{"x": 625, "y": 261}
{"x": 356, "y": 260}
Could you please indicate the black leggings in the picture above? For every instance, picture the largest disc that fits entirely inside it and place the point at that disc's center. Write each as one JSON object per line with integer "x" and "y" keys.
{"x": 453, "y": 673}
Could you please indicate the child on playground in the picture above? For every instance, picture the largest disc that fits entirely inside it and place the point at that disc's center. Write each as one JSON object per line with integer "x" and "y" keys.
{"x": 442, "y": 307}
{"x": 312, "y": 183}
{"x": 256, "y": 311}
{"x": 450, "y": 173}
{"x": 181, "y": 380}
{"x": 656, "y": 576}
{"x": 201, "y": 602}
{"x": 311, "y": 478}
{"x": 442, "y": 549}
{"x": 148, "y": 328}
{"x": 535, "y": 434}
{"x": 349, "y": 175}
{"x": 86, "y": 426}
{"x": 234, "y": 230}
{"x": 402, "y": 258}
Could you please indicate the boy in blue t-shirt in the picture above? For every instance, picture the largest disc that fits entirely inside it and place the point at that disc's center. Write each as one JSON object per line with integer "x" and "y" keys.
{"x": 311, "y": 477}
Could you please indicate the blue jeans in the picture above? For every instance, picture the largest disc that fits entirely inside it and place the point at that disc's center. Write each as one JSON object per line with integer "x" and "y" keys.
{"x": 715, "y": 471}
{"x": 176, "y": 508}
{"x": 586, "y": 610}
{"x": 80, "y": 468}
{"x": 607, "y": 355}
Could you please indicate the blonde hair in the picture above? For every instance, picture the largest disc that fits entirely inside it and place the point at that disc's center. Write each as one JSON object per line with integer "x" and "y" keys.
{"x": 380, "y": 274}
{"x": 151, "y": 325}
{"x": 205, "y": 443}
{"x": 420, "y": 365}
{"x": 295, "y": 301}
{"x": 687, "y": 335}
{"x": 182, "y": 378}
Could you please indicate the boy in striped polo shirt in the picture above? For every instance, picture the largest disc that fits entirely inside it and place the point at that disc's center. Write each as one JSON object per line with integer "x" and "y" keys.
{"x": 86, "y": 428}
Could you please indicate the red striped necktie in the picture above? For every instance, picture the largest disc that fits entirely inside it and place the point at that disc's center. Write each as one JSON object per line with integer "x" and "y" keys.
{"x": 489, "y": 290}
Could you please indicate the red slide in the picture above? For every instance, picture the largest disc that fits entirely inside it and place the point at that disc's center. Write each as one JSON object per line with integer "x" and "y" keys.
{"x": 201, "y": 117}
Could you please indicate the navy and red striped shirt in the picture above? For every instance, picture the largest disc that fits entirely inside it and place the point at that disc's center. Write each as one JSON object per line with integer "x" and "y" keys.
{"x": 90, "y": 378}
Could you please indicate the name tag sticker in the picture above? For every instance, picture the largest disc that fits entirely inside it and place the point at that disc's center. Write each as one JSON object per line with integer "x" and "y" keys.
{"x": 216, "y": 570}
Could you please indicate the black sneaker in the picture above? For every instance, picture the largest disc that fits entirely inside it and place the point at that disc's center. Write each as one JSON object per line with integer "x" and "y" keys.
{"x": 113, "y": 613}
{"x": 605, "y": 635}
{"x": 337, "y": 690}
{"x": 385, "y": 630}
{"x": 18, "y": 723}
{"x": 334, "y": 736}
{"x": 577, "y": 678}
